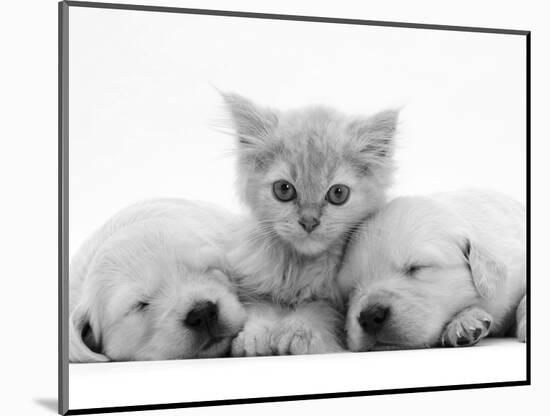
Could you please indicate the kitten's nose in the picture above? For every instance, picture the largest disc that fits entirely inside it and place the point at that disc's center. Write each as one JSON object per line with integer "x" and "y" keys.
{"x": 202, "y": 316}
{"x": 309, "y": 223}
{"x": 373, "y": 317}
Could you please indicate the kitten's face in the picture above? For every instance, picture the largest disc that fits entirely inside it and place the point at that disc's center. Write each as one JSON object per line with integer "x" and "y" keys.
{"x": 310, "y": 175}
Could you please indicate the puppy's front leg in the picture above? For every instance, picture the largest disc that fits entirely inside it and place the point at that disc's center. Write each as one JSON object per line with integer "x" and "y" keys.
{"x": 311, "y": 328}
{"x": 467, "y": 328}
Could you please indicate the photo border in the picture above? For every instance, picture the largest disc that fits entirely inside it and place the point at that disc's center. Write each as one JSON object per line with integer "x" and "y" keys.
{"x": 63, "y": 205}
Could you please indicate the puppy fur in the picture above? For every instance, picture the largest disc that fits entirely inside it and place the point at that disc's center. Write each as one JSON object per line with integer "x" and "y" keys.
{"x": 133, "y": 284}
{"x": 445, "y": 269}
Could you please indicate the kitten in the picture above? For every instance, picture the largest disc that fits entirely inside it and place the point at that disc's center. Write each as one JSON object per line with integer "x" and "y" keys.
{"x": 309, "y": 176}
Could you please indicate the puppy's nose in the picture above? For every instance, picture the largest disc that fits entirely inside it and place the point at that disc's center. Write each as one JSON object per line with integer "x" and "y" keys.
{"x": 372, "y": 318}
{"x": 203, "y": 315}
{"x": 309, "y": 222}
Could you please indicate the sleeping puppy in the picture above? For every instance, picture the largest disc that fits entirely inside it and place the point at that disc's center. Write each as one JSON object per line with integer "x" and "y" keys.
{"x": 150, "y": 285}
{"x": 447, "y": 269}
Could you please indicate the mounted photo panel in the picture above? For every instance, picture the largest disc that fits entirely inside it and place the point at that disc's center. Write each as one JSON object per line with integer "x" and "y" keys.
{"x": 261, "y": 208}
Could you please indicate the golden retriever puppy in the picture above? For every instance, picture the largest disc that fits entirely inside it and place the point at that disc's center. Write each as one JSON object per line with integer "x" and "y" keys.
{"x": 150, "y": 285}
{"x": 447, "y": 269}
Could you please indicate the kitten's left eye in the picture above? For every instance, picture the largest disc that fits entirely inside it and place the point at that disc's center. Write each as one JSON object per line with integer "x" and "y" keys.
{"x": 338, "y": 194}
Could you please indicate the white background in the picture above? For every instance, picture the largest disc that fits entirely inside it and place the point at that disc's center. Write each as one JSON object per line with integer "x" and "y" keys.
{"x": 145, "y": 116}
{"x": 29, "y": 211}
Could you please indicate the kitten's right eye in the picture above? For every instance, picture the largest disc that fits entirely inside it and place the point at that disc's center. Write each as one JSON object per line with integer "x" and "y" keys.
{"x": 284, "y": 191}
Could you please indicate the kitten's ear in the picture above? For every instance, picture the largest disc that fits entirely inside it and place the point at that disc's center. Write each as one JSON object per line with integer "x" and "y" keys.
{"x": 375, "y": 135}
{"x": 252, "y": 122}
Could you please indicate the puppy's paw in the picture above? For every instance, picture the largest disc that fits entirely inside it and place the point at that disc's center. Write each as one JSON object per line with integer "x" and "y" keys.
{"x": 253, "y": 340}
{"x": 467, "y": 328}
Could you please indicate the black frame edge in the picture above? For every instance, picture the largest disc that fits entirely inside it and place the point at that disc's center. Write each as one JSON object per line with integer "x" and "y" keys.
{"x": 63, "y": 203}
{"x": 230, "y": 13}
{"x": 528, "y": 200}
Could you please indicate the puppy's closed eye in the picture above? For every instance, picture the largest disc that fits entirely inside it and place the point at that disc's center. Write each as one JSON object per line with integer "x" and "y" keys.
{"x": 140, "y": 306}
{"x": 413, "y": 269}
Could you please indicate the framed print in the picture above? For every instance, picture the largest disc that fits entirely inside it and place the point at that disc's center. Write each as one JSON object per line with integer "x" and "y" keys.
{"x": 261, "y": 208}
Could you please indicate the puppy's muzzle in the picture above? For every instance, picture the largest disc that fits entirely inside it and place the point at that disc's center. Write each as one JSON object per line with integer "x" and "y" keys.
{"x": 373, "y": 318}
{"x": 203, "y": 317}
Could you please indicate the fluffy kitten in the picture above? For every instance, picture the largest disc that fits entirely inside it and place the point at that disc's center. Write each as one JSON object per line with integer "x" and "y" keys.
{"x": 309, "y": 176}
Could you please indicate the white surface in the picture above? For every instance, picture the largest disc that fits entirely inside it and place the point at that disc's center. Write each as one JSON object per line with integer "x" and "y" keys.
{"x": 28, "y": 220}
{"x": 144, "y": 112}
{"x": 135, "y": 383}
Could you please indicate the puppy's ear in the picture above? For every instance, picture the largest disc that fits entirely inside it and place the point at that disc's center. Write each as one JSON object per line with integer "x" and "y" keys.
{"x": 488, "y": 273}
{"x": 84, "y": 343}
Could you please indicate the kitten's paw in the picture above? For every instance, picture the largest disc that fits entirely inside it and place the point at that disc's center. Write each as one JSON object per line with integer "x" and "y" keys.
{"x": 467, "y": 328}
{"x": 296, "y": 339}
{"x": 293, "y": 341}
{"x": 253, "y": 340}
